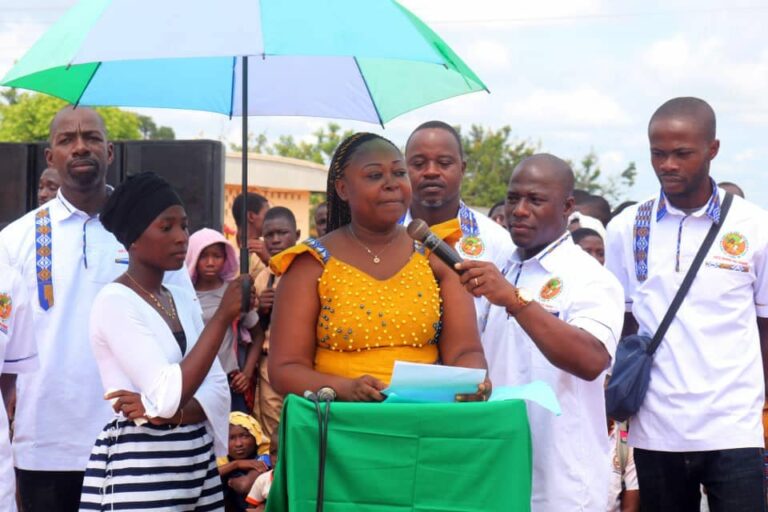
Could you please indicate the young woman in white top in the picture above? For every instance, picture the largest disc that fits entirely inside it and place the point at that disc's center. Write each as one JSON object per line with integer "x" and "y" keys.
{"x": 158, "y": 365}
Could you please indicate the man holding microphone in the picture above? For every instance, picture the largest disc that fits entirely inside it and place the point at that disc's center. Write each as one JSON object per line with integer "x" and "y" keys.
{"x": 556, "y": 316}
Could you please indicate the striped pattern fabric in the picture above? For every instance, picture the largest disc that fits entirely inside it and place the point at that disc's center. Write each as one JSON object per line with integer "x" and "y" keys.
{"x": 642, "y": 236}
{"x": 152, "y": 468}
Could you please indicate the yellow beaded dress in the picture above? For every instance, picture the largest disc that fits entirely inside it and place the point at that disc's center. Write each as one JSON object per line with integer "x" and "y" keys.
{"x": 366, "y": 324}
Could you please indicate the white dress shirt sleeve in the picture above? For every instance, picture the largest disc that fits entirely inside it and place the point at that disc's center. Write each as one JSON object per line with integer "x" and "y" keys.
{"x": 21, "y": 351}
{"x": 118, "y": 323}
{"x": 616, "y": 245}
{"x": 598, "y": 310}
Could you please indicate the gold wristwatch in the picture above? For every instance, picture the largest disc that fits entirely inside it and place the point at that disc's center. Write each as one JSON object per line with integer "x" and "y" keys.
{"x": 523, "y": 297}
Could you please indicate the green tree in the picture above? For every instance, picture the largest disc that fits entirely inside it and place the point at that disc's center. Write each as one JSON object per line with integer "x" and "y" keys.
{"x": 491, "y": 156}
{"x": 27, "y": 117}
{"x": 589, "y": 177}
{"x": 150, "y": 131}
{"x": 320, "y": 150}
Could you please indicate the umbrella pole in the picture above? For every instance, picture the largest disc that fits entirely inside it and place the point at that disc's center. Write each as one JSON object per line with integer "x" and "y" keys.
{"x": 244, "y": 213}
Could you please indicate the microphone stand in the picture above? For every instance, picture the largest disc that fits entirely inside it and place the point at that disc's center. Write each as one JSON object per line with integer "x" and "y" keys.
{"x": 326, "y": 395}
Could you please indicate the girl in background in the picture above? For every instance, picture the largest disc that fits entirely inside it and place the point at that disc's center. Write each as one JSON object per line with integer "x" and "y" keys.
{"x": 212, "y": 262}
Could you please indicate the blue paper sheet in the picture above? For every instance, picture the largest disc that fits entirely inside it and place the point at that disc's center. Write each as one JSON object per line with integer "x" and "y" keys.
{"x": 538, "y": 392}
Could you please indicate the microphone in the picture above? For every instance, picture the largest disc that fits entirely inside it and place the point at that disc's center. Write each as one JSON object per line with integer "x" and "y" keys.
{"x": 326, "y": 394}
{"x": 309, "y": 395}
{"x": 419, "y": 231}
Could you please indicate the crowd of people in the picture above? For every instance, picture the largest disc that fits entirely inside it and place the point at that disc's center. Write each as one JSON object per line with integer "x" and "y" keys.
{"x": 146, "y": 383}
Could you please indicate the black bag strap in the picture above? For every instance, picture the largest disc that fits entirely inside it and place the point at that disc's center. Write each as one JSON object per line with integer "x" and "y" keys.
{"x": 697, "y": 261}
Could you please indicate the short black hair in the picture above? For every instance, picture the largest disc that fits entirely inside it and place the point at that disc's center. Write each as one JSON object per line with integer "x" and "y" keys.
{"x": 601, "y": 208}
{"x": 580, "y": 196}
{"x": 688, "y": 107}
{"x": 437, "y": 125}
{"x": 253, "y": 203}
{"x": 281, "y": 212}
{"x": 496, "y": 205}
{"x": 582, "y": 233}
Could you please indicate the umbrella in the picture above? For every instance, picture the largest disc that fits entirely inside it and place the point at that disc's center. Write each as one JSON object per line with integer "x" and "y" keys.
{"x": 366, "y": 60}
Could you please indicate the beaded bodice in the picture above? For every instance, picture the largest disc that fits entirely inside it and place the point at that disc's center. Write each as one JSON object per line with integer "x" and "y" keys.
{"x": 360, "y": 312}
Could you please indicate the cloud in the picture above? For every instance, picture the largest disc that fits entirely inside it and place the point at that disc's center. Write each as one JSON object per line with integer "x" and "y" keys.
{"x": 15, "y": 39}
{"x": 458, "y": 14}
{"x": 584, "y": 108}
{"x": 487, "y": 55}
{"x": 712, "y": 66}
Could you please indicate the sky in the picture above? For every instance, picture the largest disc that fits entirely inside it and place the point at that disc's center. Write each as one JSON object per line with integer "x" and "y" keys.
{"x": 570, "y": 75}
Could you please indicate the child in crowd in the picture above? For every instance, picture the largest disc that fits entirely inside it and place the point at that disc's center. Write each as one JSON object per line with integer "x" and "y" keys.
{"x": 260, "y": 489}
{"x": 212, "y": 262}
{"x": 591, "y": 241}
{"x": 280, "y": 233}
{"x": 624, "y": 492}
{"x": 248, "y": 458}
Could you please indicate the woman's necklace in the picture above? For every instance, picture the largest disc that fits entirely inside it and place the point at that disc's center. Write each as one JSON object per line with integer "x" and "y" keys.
{"x": 376, "y": 258}
{"x": 170, "y": 314}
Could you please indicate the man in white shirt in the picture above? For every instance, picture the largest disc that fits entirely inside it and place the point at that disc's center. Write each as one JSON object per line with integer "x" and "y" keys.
{"x": 700, "y": 422}
{"x": 65, "y": 256}
{"x": 18, "y": 354}
{"x": 556, "y": 317}
{"x": 436, "y": 166}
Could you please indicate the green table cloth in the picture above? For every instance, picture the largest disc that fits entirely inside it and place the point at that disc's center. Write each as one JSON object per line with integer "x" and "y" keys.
{"x": 456, "y": 457}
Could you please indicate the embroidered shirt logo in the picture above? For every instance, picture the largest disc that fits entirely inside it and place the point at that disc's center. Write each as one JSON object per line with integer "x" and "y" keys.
{"x": 472, "y": 246}
{"x": 6, "y": 306}
{"x": 734, "y": 244}
{"x": 551, "y": 289}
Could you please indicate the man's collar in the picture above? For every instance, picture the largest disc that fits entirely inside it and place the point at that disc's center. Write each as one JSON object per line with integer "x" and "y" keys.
{"x": 65, "y": 209}
{"x": 543, "y": 256}
{"x": 712, "y": 208}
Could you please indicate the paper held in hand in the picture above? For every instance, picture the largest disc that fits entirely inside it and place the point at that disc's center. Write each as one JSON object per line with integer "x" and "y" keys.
{"x": 431, "y": 383}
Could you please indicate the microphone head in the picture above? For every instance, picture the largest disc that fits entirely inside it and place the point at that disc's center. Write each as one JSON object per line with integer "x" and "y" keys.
{"x": 418, "y": 230}
{"x": 327, "y": 394}
{"x": 310, "y": 396}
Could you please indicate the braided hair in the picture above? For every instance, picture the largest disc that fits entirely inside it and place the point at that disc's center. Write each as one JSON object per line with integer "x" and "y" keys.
{"x": 339, "y": 213}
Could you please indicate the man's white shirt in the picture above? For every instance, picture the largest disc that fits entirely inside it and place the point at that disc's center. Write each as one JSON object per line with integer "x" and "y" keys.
{"x": 61, "y": 408}
{"x": 495, "y": 246}
{"x": 706, "y": 390}
{"x": 570, "y": 455}
{"x": 18, "y": 354}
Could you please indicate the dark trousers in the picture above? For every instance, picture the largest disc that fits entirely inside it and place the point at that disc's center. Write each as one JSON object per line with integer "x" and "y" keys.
{"x": 670, "y": 481}
{"x": 50, "y": 491}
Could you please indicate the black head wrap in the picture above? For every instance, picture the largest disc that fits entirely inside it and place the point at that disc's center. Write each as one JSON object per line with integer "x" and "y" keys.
{"x": 135, "y": 203}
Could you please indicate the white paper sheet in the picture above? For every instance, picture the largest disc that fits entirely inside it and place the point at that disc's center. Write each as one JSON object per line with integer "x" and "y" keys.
{"x": 414, "y": 382}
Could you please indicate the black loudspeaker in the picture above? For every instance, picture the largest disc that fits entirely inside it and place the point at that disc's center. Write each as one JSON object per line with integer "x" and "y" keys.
{"x": 18, "y": 188}
{"x": 195, "y": 168}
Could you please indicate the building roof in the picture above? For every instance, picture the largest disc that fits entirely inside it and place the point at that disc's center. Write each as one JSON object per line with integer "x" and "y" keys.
{"x": 277, "y": 172}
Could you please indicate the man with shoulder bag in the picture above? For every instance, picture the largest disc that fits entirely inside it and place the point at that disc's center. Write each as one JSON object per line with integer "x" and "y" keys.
{"x": 693, "y": 264}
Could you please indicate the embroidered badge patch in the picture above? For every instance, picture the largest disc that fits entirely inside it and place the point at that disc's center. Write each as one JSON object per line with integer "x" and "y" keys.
{"x": 551, "y": 289}
{"x": 6, "y": 306}
{"x": 472, "y": 246}
{"x": 734, "y": 244}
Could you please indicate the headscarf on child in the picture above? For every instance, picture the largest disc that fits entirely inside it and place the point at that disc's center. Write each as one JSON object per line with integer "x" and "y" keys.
{"x": 206, "y": 237}
{"x": 251, "y": 424}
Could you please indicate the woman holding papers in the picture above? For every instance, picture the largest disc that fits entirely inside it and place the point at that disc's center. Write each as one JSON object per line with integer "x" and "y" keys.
{"x": 378, "y": 299}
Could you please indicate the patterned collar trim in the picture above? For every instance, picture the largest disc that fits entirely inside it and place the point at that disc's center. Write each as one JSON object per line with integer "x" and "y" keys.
{"x": 713, "y": 206}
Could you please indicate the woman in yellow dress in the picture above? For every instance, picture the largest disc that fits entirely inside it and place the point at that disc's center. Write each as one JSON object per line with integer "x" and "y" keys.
{"x": 363, "y": 296}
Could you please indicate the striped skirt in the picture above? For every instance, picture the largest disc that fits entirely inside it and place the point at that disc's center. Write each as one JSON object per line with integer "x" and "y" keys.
{"x": 152, "y": 468}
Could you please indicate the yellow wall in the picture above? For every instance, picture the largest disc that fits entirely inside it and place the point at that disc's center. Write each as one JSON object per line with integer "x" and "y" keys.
{"x": 295, "y": 200}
